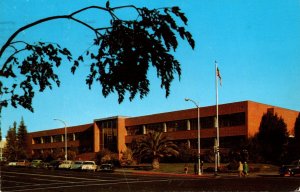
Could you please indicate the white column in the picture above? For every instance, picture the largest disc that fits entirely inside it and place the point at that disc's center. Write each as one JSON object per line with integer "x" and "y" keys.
{"x": 188, "y": 125}
{"x": 165, "y": 127}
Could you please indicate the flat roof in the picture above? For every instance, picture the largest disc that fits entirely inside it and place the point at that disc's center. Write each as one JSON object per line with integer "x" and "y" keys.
{"x": 110, "y": 118}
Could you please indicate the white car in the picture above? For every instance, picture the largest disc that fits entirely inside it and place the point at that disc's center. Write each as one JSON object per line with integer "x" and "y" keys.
{"x": 89, "y": 166}
{"x": 76, "y": 165}
{"x": 65, "y": 164}
{"x": 12, "y": 164}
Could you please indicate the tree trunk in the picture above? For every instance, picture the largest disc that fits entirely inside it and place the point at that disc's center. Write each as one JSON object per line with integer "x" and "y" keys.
{"x": 155, "y": 163}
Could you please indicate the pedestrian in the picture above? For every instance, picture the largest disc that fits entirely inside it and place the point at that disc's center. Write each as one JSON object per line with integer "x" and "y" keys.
{"x": 240, "y": 169}
{"x": 245, "y": 169}
{"x": 201, "y": 166}
{"x": 186, "y": 168}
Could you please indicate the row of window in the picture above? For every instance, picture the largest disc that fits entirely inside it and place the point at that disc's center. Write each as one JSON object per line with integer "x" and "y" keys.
{"x": 55, "y": 138}
{"x": 80, "y": 149}
{"x": 229, "y": 120}
{"x": 225, "y": 142}
{"x": 207, "y": 143}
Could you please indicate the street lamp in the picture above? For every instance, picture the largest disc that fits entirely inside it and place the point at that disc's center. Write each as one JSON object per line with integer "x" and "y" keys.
{"x": 198, "y": 110}
{"x": 66, "y": 145}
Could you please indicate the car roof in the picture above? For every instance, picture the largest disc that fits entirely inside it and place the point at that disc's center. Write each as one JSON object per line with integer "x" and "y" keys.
{"x": 67, "y": 161}
{"x": 78, "y": 161}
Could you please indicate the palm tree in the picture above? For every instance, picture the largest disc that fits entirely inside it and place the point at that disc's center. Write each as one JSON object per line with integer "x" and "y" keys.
{"x": 155, "y": 145}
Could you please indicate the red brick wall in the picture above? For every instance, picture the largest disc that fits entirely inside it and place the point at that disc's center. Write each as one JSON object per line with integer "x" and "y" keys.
{"x": 60, "y": 131}
{"x": 256, "y": 111}
{"x": 187, "y": 114}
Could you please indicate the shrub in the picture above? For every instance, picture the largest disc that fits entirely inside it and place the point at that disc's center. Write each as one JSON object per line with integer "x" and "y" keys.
{"x": 106, "y": 156}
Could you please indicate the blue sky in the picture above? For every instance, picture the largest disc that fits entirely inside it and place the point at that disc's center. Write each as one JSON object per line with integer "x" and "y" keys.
{"x": 255, "y": 42}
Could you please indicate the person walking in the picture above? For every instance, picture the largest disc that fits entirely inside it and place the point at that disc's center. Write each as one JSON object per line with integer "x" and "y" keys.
{"x": 201, "y": 166}
{"x": 245, "y": 169}
{"x": 240, "y": 169}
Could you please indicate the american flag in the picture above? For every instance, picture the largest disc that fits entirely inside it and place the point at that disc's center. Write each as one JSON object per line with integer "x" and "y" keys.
{"x": 219, "y": 75}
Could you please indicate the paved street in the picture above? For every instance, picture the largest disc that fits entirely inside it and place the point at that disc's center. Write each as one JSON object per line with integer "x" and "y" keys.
{"x": 18, "y": 179}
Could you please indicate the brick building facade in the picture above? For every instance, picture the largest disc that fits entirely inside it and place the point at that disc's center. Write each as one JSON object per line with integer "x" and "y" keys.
{"x": 237, "y": 121}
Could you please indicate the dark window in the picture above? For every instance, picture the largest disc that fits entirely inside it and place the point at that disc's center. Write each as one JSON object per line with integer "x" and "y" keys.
{"x": 158, "y": 127}
{"x": 176, "y": 125}
{"x": 109, "y": 133}
{"x": 57, "y": 138}
{"x": 70, "y": 136}
{"x": 205, "y": 122}
{"x": 47, "y": 139}
{"x": 37, "y": 140}
{"x": 230, "y": 120}
{"x": 135, "y": 130}
{"x": 86, "y": 140}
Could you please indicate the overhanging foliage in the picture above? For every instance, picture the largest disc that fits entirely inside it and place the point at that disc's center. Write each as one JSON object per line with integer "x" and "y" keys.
{"x": 124, "y": 52}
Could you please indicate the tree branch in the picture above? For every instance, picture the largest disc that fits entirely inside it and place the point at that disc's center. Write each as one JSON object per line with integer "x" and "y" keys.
{"x": 88, "y": 26}
{"x": 70, "y": 16}
{"x": 7, "y": 61}
{"x": 9, "y": 41}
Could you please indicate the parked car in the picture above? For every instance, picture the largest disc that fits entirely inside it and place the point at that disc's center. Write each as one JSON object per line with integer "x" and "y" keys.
{"x": 107, "y": 167}
{"x": 53, "y": 164}
{"x": 65, "y": 164}
{"x": 37, "y": 163}
{"x": 291, "y": 170}
{"x": 3, "y": 162}
{"x": 23, "y": 163}
{"x": 76, "y": 165}
{"x": 12, "y": 164}
{"x": 89, "y": 166}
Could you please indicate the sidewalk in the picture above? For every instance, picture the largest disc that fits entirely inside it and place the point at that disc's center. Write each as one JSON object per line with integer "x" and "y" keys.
{"x": 172, "y": 174}
{"x": 190, "y": 175}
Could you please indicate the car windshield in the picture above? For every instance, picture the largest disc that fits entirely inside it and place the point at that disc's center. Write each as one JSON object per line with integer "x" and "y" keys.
{"x": 89, "y": 163}
{"x": 78, "y": 162}
{"x": 54, "y": 162}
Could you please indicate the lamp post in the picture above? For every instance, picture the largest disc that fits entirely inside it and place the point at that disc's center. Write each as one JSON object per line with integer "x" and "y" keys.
{"x": 66, "y": 145}
{"x": 198, "y": 111}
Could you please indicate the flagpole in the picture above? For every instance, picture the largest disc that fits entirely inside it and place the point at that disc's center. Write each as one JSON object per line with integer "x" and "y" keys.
{"x": 217, "y": 155}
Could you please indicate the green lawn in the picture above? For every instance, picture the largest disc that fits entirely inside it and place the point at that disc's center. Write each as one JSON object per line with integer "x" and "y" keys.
{"x": 179, "y": 167}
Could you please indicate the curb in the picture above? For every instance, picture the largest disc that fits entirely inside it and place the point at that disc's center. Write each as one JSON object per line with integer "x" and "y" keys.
{"x": 171, "y": 174}
{"x": 205, "y": 175}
